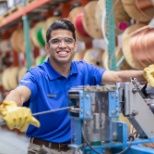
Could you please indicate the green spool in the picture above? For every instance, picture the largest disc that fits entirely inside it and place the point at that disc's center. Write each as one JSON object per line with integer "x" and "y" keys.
{"x": 40, "y": 36}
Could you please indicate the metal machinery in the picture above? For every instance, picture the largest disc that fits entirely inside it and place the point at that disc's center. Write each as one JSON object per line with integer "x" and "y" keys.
{"x": 95, "y": 127}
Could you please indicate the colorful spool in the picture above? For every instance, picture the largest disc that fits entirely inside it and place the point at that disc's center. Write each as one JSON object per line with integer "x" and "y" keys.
{"x": 126, "y": 46}
{"x": 94, "y": 56}
{"x": 138, "y": 10}
{"x": 48, "y": 22}
{"x": 17, "y": 40}
{"x": 37, "y": 35}
{"x": 79, "y": 55}
{"x": 80, "y": 35}
{"x": 79, "y": 25}
{"x": 89, "y": 21}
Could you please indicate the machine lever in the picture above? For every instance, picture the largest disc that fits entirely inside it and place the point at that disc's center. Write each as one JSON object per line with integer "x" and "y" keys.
{"x": 44, "y": 112}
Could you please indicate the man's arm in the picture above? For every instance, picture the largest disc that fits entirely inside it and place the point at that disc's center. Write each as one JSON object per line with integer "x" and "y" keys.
{"x": 19, "y": 95}
{"x": 111, "y": 77}
{"x": 13, "y": 114}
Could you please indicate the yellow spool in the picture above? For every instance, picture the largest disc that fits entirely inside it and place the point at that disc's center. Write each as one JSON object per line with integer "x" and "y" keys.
{"x": 13, "y": 78}
{"x": 79, "y": 55}
{"x": 89, "y": 21}
{"x": 5, "y": 78}
{"x": 21, "y": 73}
{"x": 105, "y": 60}
{"x": 48, "y": 22}
{"x": 37, "y": 39}
{"x": 94, "y": 56}
{"x": 135, "y": 13}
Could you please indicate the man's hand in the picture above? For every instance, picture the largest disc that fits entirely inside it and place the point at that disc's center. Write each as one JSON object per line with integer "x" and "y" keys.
{"x": 17, "y": 117}
{"x": 149, "y": 75}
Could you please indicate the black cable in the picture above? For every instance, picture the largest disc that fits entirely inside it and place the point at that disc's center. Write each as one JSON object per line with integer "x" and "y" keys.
{"x": 131, "y": 139}
{"x": 88, "y": 142}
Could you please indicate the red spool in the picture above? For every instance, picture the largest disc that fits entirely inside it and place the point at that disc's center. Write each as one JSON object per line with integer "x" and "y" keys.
{"x": 79, "y": 25}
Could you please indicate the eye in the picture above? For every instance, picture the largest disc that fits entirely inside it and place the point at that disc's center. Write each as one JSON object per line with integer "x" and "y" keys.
{"x": 55, "y": 41}
{"x": 69, "y": 40}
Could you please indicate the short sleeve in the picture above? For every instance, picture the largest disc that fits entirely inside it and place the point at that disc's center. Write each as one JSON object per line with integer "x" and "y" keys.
{"x": 30, "y": 81}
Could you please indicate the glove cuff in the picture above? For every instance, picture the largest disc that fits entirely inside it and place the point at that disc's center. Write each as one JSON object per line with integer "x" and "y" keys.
{"x": 5, "y": 105}
{"x": 9, "y": 102}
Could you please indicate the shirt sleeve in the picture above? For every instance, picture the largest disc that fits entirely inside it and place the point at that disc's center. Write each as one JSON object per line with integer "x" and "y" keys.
{"x": 30, "y": 81}
{"x": 92, "y": 74}
{"x": 96, "y": 74}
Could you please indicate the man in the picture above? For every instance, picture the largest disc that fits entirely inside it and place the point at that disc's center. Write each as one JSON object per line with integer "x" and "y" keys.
{"x": 46, "y": 86}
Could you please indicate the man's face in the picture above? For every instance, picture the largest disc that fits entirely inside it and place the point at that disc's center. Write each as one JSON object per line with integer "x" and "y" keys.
{"x": 61, "y": 46}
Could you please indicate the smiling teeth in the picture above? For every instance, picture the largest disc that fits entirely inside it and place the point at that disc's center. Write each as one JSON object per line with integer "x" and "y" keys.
{"x": 62, "y": 53}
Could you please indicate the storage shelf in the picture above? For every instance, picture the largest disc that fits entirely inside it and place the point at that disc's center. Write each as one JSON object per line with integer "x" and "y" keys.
{"x": 22, "y": 11}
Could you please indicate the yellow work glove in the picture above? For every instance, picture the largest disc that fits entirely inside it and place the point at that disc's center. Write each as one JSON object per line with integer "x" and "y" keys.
{"x": 17, "y": 117}
{"x": 149, "y": 74}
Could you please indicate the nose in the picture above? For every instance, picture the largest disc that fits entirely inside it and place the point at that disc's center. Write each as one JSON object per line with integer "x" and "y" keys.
{"x": 62, "y": 43}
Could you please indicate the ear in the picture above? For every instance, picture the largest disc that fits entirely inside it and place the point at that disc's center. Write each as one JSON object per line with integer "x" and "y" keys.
{"x": 47, "y": 47}
{"x": 75, "y": 46}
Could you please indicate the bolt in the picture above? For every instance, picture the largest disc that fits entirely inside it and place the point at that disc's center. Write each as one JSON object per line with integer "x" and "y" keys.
{"x": 134, "y": 113}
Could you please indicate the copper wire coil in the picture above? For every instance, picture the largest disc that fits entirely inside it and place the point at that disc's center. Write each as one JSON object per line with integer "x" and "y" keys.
{"x": 138, "y": 47}
{"x": 135, "y": 10}
{"x": 142, "y": 47}
{"x": 126, "y": 45}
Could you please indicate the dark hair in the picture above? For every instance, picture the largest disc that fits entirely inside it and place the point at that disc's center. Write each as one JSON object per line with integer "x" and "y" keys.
{"x": 60, "y": 24}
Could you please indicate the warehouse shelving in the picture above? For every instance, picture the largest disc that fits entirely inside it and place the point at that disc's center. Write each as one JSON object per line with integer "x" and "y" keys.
{"x": 24, "y": 13}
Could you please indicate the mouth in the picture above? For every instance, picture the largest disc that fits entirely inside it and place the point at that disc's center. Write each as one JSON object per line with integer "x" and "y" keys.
{"x": 62, "y": 53}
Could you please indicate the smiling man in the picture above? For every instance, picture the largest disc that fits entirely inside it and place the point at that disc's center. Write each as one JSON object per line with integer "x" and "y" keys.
{"x": 46, "y": 86}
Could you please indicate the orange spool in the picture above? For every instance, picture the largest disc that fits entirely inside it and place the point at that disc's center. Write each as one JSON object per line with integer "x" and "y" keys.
{"x": 138, "y": 10}
{"x": 142, "y": 48}
{"x": 17, "y": 40}
{"x": 126, "y": 47}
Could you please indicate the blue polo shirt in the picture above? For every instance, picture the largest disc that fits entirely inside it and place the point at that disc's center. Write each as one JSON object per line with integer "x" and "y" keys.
{"x": 49, "y": 90}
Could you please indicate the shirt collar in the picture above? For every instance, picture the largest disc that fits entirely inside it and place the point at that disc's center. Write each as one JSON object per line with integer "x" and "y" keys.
{"x": 53, "y": 74}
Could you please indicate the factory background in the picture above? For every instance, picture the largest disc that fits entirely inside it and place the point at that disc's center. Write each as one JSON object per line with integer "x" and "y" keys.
{"x": 109, "y": 35}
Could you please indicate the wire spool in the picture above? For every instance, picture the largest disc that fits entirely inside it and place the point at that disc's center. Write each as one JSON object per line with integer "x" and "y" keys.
{"x": 17, "y": 40}
{"x": 79, "y": 55}
{"x": 89, "y": 21}
{"x": 142, "y": 46}
{"x": 127, "y": 45}
{"x": 13, "y": 78}
{"x": 76, "y": 16}
{"x": 48, "y": 22}
{"x": 5, "y": 46}
{"x": 121, "y": 18}
{"x": 5, "y": 78}
{"x": 105, "y": 60}
{"x": 21, "y": 73}
{"x": 94, "y": 56}
{"x": 119, "y": 54}
{"x": 13, "y": 40}
{"x": 124, "y": 65}
{"x": 100, "y": 12}
{"x": 139, "y": 10}
{"x": 40, "y": 59}
{"x": 37, "y": 35}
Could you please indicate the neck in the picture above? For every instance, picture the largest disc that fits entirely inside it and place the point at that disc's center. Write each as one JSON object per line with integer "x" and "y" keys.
{"x": 62, "y": 68}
